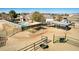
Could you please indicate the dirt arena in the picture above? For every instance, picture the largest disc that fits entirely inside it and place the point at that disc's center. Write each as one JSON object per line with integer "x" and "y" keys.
{"x": 25, "y": 38}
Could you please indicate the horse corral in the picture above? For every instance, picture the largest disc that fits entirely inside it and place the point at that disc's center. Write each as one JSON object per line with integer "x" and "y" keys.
{"x": 60, "y": 39}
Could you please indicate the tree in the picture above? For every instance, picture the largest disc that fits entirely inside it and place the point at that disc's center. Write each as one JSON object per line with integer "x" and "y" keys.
{"x": 36, "y": 16}
{"x": 0, "y": 15}
{"x": 3, "y": 13}
{"x": 66, "y": 14}
{"x": 57, "y": 17}
{"x": 12, "y": 14}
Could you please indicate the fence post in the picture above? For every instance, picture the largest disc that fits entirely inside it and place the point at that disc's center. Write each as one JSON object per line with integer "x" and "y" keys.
{"x": 46, "y": 40}
{"x": 53, "y": 38}
{"x": 34, "y": 47}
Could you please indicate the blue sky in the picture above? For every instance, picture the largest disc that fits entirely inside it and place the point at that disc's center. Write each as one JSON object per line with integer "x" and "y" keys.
{"x": 42, "y": 10}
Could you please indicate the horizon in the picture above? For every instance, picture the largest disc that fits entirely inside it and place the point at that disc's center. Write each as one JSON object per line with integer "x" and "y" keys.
{"x": 41, "y": 10}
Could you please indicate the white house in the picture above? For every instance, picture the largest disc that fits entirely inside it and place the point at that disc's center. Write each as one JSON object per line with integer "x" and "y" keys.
{"x": 49, "y": 21}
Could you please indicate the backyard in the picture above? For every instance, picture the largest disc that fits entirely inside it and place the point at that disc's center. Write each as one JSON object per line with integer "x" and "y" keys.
{"x": 24, "y": 38}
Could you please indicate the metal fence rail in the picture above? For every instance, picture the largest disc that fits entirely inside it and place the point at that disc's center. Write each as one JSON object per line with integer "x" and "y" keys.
{"x": 73, "y": 41}
{"x": 34, "y": 46}
{"x": 69, "y": 40}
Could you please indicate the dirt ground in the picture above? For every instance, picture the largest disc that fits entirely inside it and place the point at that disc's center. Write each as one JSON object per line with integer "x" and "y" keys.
{"x": 25, "y": 38}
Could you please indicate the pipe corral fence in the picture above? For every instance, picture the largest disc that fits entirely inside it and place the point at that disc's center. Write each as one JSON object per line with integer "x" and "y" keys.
{"x": 36, "y": 45}
{"x": 3, "y": 38}
{"x": 66, "y": 39}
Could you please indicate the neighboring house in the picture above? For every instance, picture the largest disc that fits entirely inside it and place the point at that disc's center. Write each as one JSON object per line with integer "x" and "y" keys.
{"x": 49, "y": 22}
{"x": 64, "y": 23}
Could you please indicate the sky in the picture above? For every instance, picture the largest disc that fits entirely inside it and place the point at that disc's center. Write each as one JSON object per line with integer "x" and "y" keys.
{"x": 41, "y": 10}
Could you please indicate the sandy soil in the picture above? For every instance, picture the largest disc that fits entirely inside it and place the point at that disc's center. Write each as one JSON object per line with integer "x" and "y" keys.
{"x": 25, "y": 38}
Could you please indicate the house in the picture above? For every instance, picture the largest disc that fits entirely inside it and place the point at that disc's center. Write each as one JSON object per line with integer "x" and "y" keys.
{"x": 49, "y": 22}
{"x": 65, "y": 23}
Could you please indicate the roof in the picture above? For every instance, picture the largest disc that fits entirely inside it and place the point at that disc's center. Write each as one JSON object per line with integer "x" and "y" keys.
{"x": 35, "y": 23}
{"x": 23, "y": 24}
{"x": 49, "y": 20}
